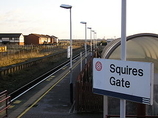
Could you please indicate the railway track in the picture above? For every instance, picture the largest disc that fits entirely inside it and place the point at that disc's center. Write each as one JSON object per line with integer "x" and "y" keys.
{"x": 24, "y": 89}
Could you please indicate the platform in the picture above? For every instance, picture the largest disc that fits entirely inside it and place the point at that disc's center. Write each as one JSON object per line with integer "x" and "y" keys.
{"x": 54, "y": 103}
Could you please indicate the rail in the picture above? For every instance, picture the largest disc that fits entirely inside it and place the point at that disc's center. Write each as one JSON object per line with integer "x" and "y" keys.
{"x": 24, "y": 89}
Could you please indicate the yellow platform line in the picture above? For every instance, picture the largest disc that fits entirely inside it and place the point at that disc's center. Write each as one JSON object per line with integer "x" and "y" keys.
{"x": 17, "y": 102}
{"x": 50, "y": 78}
{"x": 45, "y": 93}
{"x": 42, "y": 96}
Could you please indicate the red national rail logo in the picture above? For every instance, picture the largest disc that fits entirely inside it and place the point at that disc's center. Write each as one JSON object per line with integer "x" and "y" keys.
{"x": 98, "y": 66}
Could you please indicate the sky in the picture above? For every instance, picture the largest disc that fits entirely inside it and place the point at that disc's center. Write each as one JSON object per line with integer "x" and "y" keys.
{"x": 104, "y": 16}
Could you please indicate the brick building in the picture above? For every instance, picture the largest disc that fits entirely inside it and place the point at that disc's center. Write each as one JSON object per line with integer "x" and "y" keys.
{"x": 39, "y": 39}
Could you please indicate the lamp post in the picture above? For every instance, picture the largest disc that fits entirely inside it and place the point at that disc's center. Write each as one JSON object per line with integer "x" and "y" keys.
{"x": 96, "y": 38}
{"x": 93, "y": 39}
{"x": 85, "y": 23}
{"x": 96, "y": 49}
{"x": 65, "y": 6}
{"x": 90, "y": 38}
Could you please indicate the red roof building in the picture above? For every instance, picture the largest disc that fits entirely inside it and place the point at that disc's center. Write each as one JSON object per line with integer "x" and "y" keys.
{"x": 39, "y": 39}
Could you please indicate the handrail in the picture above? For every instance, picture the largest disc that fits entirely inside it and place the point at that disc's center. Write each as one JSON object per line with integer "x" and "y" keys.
{"x": 5, "y": 99}
{"x": 3, "y": 92}
{"x": 4, "y": 104}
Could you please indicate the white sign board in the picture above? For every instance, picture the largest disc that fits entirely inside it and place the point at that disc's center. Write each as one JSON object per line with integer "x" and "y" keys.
{"x": 68, "y": 52}
{"x": 124, "y": 79}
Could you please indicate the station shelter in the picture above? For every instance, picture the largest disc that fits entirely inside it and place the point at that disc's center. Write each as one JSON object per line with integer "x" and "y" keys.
{"x": 142, "y": 48}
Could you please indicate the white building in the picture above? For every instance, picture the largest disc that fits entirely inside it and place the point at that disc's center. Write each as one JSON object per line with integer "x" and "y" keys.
{"x": 12, "y": 38}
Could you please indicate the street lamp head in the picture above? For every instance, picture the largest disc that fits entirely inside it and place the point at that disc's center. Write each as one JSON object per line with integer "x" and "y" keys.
{"x": 89, "y": 28}
{"x": 65, "y": 6}
{"x": 83, "y": 22}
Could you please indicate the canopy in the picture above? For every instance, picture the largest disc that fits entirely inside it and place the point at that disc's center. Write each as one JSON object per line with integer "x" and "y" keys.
{"x": 140, "y": 47}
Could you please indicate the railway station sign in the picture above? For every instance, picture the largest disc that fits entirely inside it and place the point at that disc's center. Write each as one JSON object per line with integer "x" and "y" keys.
{"x": 124, "y": 79}
{"x": 68, "y": 52}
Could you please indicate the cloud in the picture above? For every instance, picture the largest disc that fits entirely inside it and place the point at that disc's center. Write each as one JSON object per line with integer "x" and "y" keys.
{"x": 21, "y": 21}
{"x": 13, "y": 16}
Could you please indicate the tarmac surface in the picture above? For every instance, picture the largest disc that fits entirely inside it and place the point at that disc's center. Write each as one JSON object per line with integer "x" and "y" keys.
{"x": 54, "y": 103}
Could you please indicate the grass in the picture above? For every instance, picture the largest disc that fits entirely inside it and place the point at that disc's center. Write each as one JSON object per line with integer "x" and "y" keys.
{"x": 13, "y": 81}
{"x": 23, "y": 56}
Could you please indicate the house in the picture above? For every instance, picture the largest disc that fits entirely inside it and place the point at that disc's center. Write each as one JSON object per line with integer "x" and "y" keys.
{"x": 39, "y": 39}
{"x": 12, "y": 38}
{"x": 54, "y": 39}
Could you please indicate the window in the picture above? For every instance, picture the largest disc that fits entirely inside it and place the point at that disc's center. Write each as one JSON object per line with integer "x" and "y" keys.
{"x": 15, "y": 38}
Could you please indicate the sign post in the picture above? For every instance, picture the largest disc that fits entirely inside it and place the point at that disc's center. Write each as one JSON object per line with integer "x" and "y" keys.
{"x": 123, "y": 52}
{"x": 68, "y": 51}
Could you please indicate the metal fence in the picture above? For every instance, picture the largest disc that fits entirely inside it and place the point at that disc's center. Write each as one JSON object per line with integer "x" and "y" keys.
{"x": 85, "y": 100}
